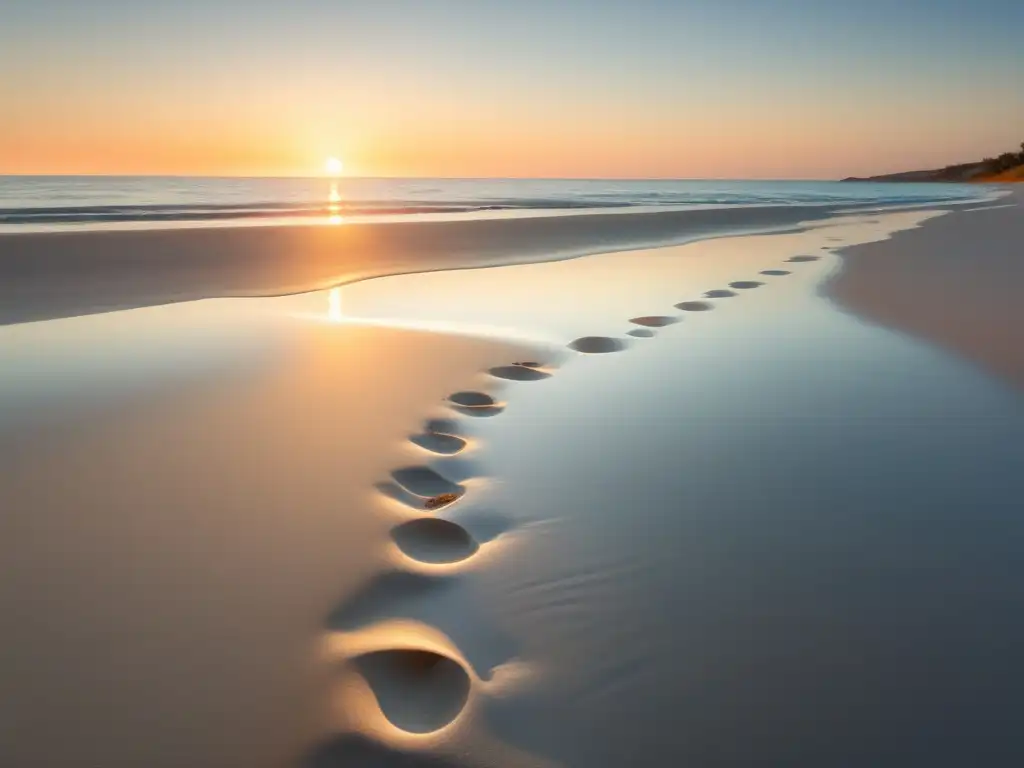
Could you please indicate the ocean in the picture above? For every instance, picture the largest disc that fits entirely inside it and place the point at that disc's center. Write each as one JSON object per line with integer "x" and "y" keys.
{"x": 57, "y": 202}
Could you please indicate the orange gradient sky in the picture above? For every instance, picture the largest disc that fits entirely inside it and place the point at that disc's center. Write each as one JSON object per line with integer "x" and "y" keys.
{"x": 655, "y": 89}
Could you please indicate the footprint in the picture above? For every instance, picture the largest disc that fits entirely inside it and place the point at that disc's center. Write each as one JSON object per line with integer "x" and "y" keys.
{"x": 694, "y": 306}
{"x": 655, "y": 321}
{"x": 641, "y": 333}
{"x": 421, "y": 488}
{"x": 433, "y": 540}
{"x": 415, "y": 500}
{"x": 719, "y": 293}
{"x": 776, "y": 272}
{"x": 444, "y": 601}
{"x": 475, "y": 404}
{"x": 444, "y": 427}
{"x": 418, "y": 691}
{"x": 597, "y": 345}
{"x": 423, "y": 481}
{"x": 518, "y": 372}
{"x": 800, "y": 259}
{"x": 745, "y": 285}
{"x": 472, "y": 399}
{"x": 438, "y": 442}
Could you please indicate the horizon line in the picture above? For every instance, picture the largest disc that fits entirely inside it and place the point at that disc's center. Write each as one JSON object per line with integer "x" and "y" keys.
{"x": 323, "y": 177}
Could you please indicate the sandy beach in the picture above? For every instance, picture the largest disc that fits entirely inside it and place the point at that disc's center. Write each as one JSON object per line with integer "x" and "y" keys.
{"x": 694, "y": 499}
{"x": 951, "y": 283}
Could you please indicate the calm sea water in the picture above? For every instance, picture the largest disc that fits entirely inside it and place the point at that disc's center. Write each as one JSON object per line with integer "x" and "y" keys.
{"x": 72, "y": 200}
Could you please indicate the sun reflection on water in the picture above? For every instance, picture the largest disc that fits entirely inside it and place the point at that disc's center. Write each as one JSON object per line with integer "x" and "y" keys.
{"x": 334, "y": 206}
{"x": 334, "y": 313}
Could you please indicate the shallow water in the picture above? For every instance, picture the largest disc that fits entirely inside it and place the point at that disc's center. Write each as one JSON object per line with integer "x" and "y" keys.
{"x": 56, "y": 201}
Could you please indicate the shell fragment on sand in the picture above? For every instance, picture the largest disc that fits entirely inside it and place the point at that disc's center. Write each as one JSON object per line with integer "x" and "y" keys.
{"x": 441, "y": 500}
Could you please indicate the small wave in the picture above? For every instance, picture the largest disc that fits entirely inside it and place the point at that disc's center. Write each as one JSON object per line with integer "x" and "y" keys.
{"x": 460, "y": 198}
{"x": 144, "y": 213}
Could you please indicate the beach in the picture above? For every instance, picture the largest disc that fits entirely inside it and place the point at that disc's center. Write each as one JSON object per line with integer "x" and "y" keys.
{"x": 729, "y": 488}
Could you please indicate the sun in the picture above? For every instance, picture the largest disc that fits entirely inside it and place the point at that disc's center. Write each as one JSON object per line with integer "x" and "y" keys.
{"x": 333, "y": 166}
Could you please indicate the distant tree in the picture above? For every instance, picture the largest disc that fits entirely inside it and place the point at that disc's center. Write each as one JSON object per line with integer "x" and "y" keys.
{"x": 1007, "y": 160}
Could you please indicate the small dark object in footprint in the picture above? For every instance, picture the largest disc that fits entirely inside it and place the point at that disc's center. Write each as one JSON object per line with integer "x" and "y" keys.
{"x": 442, "y": 500}
{"x": 799, "y": 259}
{"x": 529, "y": 364}
{"x": 776, "y": 272}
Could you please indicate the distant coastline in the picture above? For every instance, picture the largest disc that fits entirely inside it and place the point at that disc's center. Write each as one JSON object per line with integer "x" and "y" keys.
{"x": 1007, "y": 168}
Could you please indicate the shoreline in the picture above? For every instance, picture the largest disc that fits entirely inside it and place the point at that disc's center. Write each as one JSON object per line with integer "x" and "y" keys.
{"x": 49, "y": 275}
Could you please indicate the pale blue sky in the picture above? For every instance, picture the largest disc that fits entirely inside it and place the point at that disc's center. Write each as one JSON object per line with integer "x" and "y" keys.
{"x": 598, "y": 88}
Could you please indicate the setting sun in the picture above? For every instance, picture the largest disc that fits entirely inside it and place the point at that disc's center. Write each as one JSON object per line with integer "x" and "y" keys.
{"x": 333, "y": 166}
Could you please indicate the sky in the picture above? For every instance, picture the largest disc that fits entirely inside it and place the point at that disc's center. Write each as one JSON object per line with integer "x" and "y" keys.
{"x": 518, "y": 88}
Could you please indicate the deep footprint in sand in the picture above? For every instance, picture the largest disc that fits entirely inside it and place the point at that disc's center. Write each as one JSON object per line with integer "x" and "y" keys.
{"x": 433, "y": 540}
{"x": 418, "y": 691}
{"x": 444, "y": 427}
{"x": 438, "y": 442}
{"x": 801, "y": 259}
{"x": 416, "y": 501}
{"x": 475, "y": 403}
{"x": 745, "y": 285}
{"x": 598, "y": 345}
{"x": 776, "y": 272}
{"x": 519, "y": 372}
{"x": 655, "y": 321}
{"x": 719, "y": 293}
{"x": 428, "y": 485}
{"x": 641, "y": 333}
{"x": 694, "y": 306}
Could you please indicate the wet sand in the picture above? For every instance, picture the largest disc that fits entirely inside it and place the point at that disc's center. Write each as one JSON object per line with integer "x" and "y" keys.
{"x": 774, "y": 534}
{"x": 762, "y": 532}
{"x": 46, "y": 275}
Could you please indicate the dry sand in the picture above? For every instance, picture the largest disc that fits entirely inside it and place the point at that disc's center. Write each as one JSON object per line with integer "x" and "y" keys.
{"x": 170, "y": 556}
{"x": 954, "y": 282}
